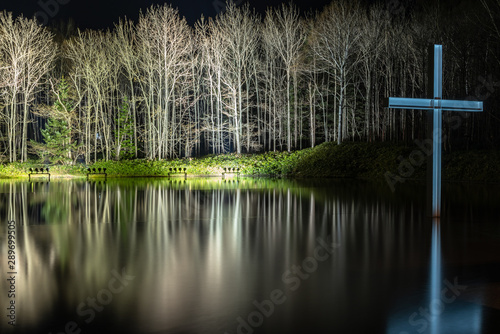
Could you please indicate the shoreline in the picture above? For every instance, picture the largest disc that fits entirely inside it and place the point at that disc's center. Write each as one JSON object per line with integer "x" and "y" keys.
{"x": 365, "y": 161}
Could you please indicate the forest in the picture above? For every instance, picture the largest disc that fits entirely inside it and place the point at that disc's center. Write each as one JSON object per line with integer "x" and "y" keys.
{"x": 243, "y": 82}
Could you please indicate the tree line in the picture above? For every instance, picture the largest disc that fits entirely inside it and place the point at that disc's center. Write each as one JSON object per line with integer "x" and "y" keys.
{"x": 242, "y": 82}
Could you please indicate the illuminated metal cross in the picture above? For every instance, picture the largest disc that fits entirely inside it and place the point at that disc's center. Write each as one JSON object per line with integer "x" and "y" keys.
{"x": 434, "y": 107}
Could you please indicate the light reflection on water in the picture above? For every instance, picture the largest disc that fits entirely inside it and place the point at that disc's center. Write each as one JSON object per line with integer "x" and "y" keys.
{"x": 435, "y": 276}
{"x": 442, "y": 311}
{"x": 204, "y": 252}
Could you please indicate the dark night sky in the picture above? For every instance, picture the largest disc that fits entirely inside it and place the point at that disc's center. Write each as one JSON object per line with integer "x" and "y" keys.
{"x": 101, "y": 14}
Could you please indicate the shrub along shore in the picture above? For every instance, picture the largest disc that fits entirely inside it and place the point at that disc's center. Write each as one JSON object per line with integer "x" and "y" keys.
{"x": 394, "y": 163}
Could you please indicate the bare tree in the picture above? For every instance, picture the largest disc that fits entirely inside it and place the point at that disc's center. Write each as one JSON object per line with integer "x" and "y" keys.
{"x": 285, "y": 32}
{"x": 236, "y": 29}
{"x": 125, "y": 46}
{"x": 165, "y": 43}
{"x": 92, "y": 65}
{"x": 30, "y": 51}
{"x": 211, "y": 60}
{"x": 336, "y": 44}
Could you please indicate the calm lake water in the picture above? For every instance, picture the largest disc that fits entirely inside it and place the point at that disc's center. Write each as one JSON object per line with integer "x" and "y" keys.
{"x": 248, "y": 256}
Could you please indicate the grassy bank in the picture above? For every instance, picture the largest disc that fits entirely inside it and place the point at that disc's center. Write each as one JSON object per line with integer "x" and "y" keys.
{"x": 349, "y": 160}
{"x": 377, "y": 161}
{"x": 271, "y": 163}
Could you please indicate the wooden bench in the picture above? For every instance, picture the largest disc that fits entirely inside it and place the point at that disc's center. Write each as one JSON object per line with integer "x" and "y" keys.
{"x": 38, "y": 171}
{"x": 177, "y": 170}
{"x": 93, "y": 171}
{"x": 231, "y": 170}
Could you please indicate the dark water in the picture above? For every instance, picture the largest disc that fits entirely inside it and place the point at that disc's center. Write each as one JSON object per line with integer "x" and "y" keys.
{"x": 249, "y": 256}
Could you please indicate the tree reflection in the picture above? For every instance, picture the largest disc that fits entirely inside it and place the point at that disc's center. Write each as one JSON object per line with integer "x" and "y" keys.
{"x": 204, "y": 249}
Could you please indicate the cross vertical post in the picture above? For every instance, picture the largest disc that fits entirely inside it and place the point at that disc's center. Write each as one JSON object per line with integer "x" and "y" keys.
{"x": 434, "y": 131}
{"x": 435, "y": 106}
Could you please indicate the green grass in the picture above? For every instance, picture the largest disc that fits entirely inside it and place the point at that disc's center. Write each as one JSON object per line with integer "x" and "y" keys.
{"x": 328, "y": 160}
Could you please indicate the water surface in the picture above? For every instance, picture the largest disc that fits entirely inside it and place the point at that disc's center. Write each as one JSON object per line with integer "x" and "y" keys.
{"x": 249, "y": 256}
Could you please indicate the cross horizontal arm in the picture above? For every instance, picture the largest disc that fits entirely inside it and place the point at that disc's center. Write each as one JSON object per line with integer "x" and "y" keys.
{"x": 409, "y": 103}
{"x": 429, "y": 104}
{"x": 457, "y": 105}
